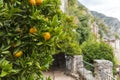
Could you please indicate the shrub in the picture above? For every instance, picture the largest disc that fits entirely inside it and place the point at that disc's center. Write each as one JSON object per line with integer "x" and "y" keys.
{"x": 97, "y": 50}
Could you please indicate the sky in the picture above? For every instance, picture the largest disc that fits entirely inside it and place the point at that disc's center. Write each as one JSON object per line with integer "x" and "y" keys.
{"x": 108, "y": 7}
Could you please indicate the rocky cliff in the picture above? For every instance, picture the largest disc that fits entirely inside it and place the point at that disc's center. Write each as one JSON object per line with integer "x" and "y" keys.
{"x": 112, "y": 23}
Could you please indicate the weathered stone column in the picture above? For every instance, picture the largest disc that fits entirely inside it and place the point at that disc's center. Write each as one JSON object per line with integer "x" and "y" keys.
{"x": 73, "y": 63}
{"x": 75, "y": 68}
{"x": 103, "y": 70}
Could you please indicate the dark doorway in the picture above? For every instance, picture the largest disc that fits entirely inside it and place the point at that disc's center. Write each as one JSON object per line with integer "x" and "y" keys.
{"x": 59, "y": 61}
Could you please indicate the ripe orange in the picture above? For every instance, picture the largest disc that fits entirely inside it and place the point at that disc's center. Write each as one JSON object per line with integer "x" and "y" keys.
{"x": 46, "y": 35}
{"x": 18, "y": 54}
{"x": 38, "y": 2}
{"x": 32, "y": 30}
{"x": 32, "y": 2}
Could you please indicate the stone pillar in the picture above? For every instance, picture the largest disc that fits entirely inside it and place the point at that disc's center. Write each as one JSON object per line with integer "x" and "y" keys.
{"x": 85, "y": 74}
{"x": 75, "y": 68}
{"x": 103, "y": 70}
{"x": 73, "y": 63}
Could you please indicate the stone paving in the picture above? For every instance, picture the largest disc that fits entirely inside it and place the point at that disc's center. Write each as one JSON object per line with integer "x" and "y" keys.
{"x": 57, "y": 75}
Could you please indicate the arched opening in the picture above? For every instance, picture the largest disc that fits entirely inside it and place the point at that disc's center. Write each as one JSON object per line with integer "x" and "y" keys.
{"x": 59, "y": 61}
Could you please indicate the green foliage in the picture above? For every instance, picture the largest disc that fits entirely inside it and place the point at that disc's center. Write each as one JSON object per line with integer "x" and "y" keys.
{"x": 48, "y": 78}
{"x": 6, "y": 68}
{"x": 97, "y": 50}
{"x": 69, "y": 33}
{"x": 22, "y": 28}
{"x": 84, "y": 29}
{"x": 82, "y": 18}
{"x": 117, "y": 36}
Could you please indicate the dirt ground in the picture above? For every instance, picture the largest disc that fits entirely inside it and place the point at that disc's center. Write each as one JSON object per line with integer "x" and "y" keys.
{"x": 57, "y": 75}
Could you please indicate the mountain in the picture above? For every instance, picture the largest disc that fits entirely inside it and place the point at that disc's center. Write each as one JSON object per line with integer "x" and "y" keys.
{"x": 112, "y": 23}
{"x": 86, "y": 19}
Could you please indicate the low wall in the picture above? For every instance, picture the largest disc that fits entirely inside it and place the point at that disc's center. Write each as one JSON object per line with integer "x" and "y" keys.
{"x": 103, "y": 70}
{"x": 76, "y": 69}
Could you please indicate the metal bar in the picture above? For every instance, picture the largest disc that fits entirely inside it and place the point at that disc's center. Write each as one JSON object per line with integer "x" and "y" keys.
{"x": 88, "y": 63}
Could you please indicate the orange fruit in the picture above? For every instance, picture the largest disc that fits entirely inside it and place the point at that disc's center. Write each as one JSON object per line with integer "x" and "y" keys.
{"x": 18, "y": 54}
{"x": 46, "y": 35}
{"x": 32, "y": 2}
{"x": 38, "y": 2}
{"x": 32, "y": 30}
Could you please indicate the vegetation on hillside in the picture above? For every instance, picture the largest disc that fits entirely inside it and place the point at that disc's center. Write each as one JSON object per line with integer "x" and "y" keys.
{"x": 91, "y": 47}
{"x": 82, "y": 18}
{"x": 31, "y": 31}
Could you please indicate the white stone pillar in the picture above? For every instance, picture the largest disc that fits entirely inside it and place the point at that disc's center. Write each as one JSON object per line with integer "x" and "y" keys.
{"x": 103, "y": 70}
{"x": 73, "y": 63}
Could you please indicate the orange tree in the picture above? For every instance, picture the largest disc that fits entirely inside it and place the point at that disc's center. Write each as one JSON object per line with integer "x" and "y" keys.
{"x": 31, "y": 31}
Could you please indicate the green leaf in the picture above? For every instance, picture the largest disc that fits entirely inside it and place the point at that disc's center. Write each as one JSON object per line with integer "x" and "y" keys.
{"x": 48, "y": 78}
{"x": 1, "y": 3}
{"x": 29, "y": 63}
{"x": 58, "y": 46}
{"x": 15, "y": 71}
{"x": 39, "y": 43}
{"x": 1, "y": 61}
{"x": 1, "y": 33}
{"x": 31, "y": 77}
{"x": 8, "y": 41}
{"x": 38, "y": 65}
{"x": 2, "y": 47}
{"x": 54, "y": 21}
{"x": 1, "y": 24}
{"x": 18, "y": 43}
{"x": 18, "y": 2}
{"x": 6, "y": 48}
{"x": 6, "y": 67}
{"x": 5, "y": 52}
{"x": 3, "y": 73}
{"x": 14, "y": 10}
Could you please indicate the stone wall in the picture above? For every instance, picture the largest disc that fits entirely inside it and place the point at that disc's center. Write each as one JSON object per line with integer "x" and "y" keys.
{"x": 76, "y": 69}
{"x": 103, "y": 70}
